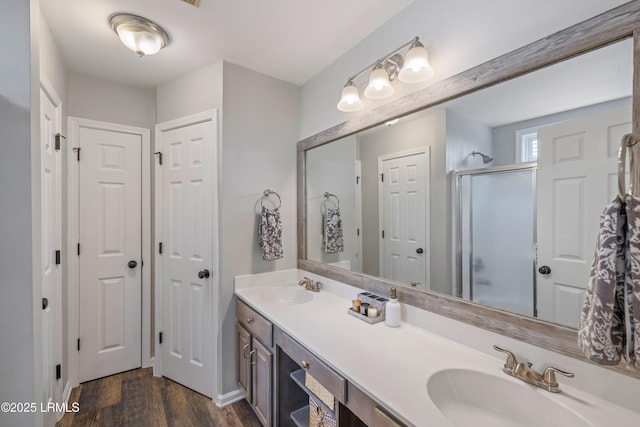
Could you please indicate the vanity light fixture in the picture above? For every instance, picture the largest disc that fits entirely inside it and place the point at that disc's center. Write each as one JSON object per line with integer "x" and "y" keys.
{"x": 139, "y": 34}
{"x": 413, "y": 68}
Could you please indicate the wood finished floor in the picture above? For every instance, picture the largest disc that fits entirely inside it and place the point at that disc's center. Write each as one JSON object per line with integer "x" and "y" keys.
{"x": 137, "y": 399}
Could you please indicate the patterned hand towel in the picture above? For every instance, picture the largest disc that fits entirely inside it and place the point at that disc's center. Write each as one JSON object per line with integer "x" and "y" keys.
{"x": 332, "y": 222}
{"x": 632, "y": 283}
{"x": 601, "y": 335}
{"x": 270, "y": 234}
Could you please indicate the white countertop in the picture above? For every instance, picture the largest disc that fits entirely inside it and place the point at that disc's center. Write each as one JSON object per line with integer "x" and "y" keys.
{"x": 392, "y": 365}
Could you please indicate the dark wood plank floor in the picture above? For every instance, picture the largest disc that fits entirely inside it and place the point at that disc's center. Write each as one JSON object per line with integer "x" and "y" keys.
{"x": 137, "y": 398}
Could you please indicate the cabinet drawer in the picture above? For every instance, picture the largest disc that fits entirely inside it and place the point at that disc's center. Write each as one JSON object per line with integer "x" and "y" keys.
{"x": 316, "y": 368}
{"x": 259, "y": 326}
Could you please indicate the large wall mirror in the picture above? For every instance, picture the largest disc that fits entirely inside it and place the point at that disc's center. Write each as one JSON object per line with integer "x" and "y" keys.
{"x": 486, "y": 204}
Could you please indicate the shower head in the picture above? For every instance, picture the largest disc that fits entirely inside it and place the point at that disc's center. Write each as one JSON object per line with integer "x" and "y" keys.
{"x": 485, "y": 159}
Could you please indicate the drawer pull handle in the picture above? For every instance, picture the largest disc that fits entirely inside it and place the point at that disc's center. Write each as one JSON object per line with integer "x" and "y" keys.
{"x": 305, "y": 364}
{"x": 253, "y": 362}
{"x": 250, "y": 320}
{"x": 244, "y": 351}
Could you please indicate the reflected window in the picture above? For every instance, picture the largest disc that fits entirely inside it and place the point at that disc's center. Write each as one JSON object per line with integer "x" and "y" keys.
{"x": 527, "y": 145}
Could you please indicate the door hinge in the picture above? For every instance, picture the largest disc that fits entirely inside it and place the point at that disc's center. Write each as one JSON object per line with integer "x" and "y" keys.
{"x": 77, "y": 150}
{"x": 58, "y": 371}
{"x": 381, "y": 177}
{"x": 78, "y": 344}
{"x": 160, "y": 337}
{"x": 58, "y": 139}
{"x": 160, "y": 247}
{"x": 159, "y": 153}
{"x": 383, "y": 234}
{"x": 357, "y": 231}
{"x": 78, "y": 249}
{"x": 357, "y": 180}
{"x": 58, "y": 257}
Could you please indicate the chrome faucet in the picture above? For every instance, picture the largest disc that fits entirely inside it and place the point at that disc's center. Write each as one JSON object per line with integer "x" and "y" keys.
{"x": 310, "y": 285}
{"x": 522, "y": 370}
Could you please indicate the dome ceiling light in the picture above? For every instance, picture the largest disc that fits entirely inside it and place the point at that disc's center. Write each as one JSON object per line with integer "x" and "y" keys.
{"x": 139, "y": 34}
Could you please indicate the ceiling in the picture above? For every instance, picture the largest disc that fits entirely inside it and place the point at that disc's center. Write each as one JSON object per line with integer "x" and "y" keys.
{"x": 290, "y": 40}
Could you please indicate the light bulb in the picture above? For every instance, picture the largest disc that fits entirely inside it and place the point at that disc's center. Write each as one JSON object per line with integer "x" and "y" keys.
{"x": 416, "y": 67}
{"x": 379, "y": 86}
{"x": 350, "y": 100}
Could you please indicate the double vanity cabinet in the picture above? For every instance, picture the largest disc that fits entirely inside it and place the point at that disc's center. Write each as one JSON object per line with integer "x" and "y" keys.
{"x": 272, "y": 367}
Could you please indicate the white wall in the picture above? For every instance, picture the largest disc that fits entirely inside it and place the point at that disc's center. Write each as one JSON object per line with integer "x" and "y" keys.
{"x": 260, "y": 117}
{"x": 458, "y": 35}
{"x": 20, "y": 316}
{"x": 331, "y": 168}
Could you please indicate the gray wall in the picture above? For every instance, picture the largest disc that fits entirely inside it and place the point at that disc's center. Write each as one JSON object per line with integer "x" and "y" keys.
{"x": 260, "y": 118}
{"x": 98, "y": 99}
{"x": 20, "y": 292}
{"x": 482, "y": 31}
{"x": 331, "y": 168}
{"x": 413, "y": 132}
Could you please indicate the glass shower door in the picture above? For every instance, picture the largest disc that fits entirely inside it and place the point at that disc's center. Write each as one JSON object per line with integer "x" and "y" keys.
{"x": 497, "y": 231}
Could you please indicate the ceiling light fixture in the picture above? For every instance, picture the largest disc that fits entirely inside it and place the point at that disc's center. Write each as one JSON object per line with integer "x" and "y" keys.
{"x": 138, "y": 34}
{"x": 413, "y": 68}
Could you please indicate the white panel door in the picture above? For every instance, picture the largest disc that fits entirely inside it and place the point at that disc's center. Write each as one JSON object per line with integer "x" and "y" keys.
{"x": 404, "y": 217}
{"x": 51, "y": 242}
{"x": 187, "y": 182}
{"x": 110, "y": 251}
{"x": 577, "y": 177}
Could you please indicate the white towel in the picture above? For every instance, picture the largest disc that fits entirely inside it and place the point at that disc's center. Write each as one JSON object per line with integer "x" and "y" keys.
{"x": 610, "y": 319}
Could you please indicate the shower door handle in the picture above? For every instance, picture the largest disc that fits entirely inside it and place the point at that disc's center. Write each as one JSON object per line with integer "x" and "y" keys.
{"x": 419, "y": 251}
{"x": 545, "y": 269}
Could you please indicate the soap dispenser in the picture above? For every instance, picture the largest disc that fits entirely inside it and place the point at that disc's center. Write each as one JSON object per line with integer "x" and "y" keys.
{"x": 392, "y": 310}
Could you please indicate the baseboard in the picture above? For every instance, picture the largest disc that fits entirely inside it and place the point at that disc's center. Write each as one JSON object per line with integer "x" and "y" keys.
{"x": 66, "y": 395}
{"x": 228, "y": 398}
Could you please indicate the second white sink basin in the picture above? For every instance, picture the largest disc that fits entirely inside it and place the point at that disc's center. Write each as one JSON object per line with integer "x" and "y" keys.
{"x": 474, "y": 398}
{"x": 287, "y": 295}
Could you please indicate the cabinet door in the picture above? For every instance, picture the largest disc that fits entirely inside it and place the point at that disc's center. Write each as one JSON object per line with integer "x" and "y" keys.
{"x": 243, "y": 366}
{"x": 261, "y": 382}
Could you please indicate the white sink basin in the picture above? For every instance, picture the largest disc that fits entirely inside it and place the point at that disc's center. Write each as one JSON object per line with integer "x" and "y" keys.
{"x": 286, "y": 295}
{"x": 473, "y": 398}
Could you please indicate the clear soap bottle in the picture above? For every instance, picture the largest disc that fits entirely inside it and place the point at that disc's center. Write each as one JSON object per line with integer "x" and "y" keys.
{"x": 392, "y": 310}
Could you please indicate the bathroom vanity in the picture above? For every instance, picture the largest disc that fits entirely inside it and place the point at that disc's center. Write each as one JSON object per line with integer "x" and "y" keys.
{"x": 382, "y": 376}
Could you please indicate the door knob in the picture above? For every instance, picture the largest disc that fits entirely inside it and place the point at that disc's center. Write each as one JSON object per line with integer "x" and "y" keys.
{"x": 132, "y": 264}
{"x": 419, "y": 250}
{"x": 204, "y": 274}
{"x": 45, "y": 303}
{"x": 544, "y": 269}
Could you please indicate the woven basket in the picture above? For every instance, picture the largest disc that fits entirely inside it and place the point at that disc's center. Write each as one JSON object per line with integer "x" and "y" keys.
{"x": 318, "y": 417}
{"x": 322, "y": 393}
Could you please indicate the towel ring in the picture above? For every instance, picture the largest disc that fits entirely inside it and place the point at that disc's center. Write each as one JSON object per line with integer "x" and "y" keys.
{"x": 628, "y": 141}
{"x": 267, "y": 193}
{"x": 328, "y": 196}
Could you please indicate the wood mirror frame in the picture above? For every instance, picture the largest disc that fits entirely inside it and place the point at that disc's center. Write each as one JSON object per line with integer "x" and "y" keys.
{"x": 601, "y": 30}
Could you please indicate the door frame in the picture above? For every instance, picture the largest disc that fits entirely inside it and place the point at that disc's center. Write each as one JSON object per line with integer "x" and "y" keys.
{"x": 73, "y": 231}
{"x": 427, "y": 228}
{"x": 49, "y": 90}
{"x": 209, "y": 115}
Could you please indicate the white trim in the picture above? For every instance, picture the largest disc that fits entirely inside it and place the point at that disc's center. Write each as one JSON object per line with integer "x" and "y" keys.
{"x": 426, "y": 150}
{"x": 209, "y": 115}
{"x": 222, "y": 400}
{"x": 73, "y": 293}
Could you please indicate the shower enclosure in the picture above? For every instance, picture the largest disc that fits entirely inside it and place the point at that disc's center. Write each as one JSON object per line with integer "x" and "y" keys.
{"x": 496, "y": 236}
